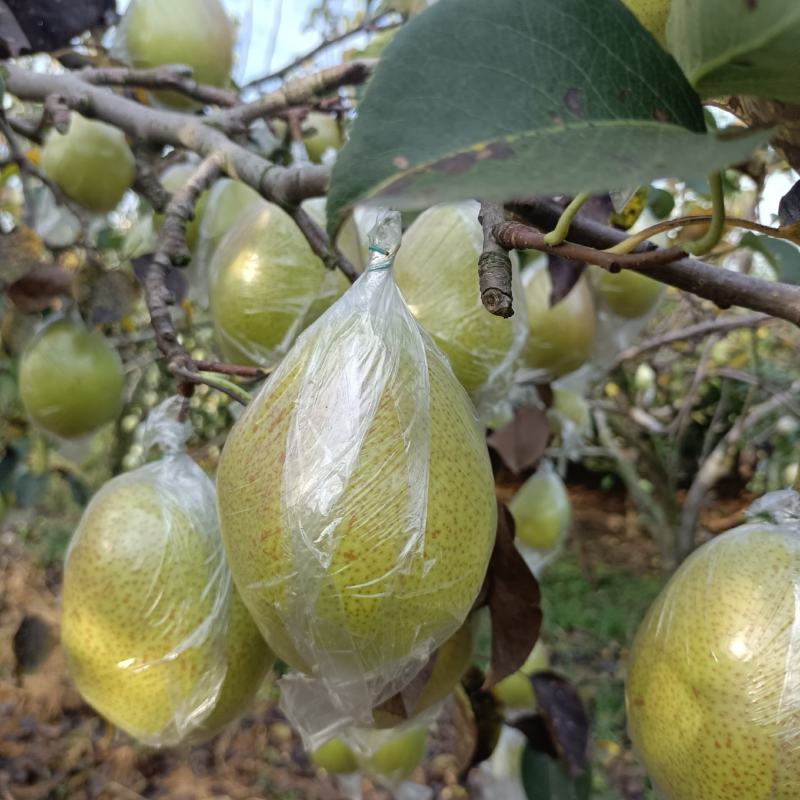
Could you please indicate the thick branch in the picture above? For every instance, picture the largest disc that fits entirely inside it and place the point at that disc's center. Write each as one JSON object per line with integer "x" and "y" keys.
{"x": 721, "y": 286}
{"x": 494, "y": 264}
{"x": 174, "y": 77}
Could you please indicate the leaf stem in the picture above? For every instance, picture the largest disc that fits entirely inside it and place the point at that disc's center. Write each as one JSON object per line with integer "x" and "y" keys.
{"x": 559, "y": 233}
{"x": 707, "y": 242}
{"x": 233, "y": 389}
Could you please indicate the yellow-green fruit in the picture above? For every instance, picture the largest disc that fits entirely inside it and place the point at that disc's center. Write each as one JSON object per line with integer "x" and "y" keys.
{"x": 711, "y": 696}
{"x": 561, "y": 337}
{"x": 153, "y": 630}
{"x": 91, "y": 163}
{"x": 267, "y": 286}
{"x": 437, "y": 272}
{"x": 335, "y": 757}
{"x": 452, "y": 660}
{"x": 349, "y": 239}
{"x": 516, "y": 691}
{"x": 628, "y": 294}
{"x": 571, "y": 407}
{"x": 653, "y": 15}
{"x": 196, "y": 33}
{"x": 328, "y": 551}
{"x": 321, "y": 132}
{"x": 174, "y": 178}
{"x": 70, "y": 380}
{"x": 541, "y": 509}
{"x": 400, "y": 756}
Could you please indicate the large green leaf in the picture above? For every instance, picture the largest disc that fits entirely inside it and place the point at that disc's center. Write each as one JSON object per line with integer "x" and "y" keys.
{"x": 738, "y": 46}
{"x": 512, "y": 97}
{"x": 543, "y": 778}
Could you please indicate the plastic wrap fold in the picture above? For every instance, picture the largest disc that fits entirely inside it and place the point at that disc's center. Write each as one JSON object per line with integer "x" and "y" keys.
{"x": 155, "y": 635}
{"x": 713, "y": 691}
{"x": 357, "y": 504}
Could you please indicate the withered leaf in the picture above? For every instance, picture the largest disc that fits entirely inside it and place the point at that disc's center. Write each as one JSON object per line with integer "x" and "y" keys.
{"x": 789, "y": 206}
{"x": 565, "y": 718}
{"x": 522, "y": 442}
{"x": 37, "y": 290}
{"x": 20, "y": 251}
{"x": 13, "y": 40}
{"x": 488, "y": 715}
{"x": 105, "y": 295}
{"x": 564, "y": 274}
{"x": 454, "y": 734}
{"x": 50, "y": 24}
{"x": 537, "y": 733}
{"x": 403, "y": 704}
{"x": 33, "y": 642}
{"x": 512, "y": 594}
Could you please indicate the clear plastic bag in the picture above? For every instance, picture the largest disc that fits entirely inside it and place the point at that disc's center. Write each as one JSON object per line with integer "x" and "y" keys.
{"x": 156, "y": 637}
{"x": 267, "y": 286}
{"x": 713, "y": 690}
{"x": 357, "y": 504}
{"x": 437, "y": 272}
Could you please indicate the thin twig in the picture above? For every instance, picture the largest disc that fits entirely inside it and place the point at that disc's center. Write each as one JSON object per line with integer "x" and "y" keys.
{"x": 172, "y": 77}
{"x": 28, "y": 211}
{"x": 241, "y": 371}
{"x": 698, "y": 331}
{"x": 318, "y": 240}
{"x": 494, "y": 264}
{"x": 366, "y": 26}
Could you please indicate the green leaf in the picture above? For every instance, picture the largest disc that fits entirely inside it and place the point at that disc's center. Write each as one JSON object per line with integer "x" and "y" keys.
{"x": 661, "y": 202}
{"x": 783, "y": 256}
{"x": 513, "y": 97}
{"x": 543, "y": 778}
{"x": 738, "y": 46}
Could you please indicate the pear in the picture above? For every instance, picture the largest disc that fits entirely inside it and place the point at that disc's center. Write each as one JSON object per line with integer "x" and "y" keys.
{"x": 397, "y": 758}
{"x": 571, "y": 409}
{"x": 156, "y": 638}
{"x": 627, "y": 294}
{"x": 437, "y": 272}
{"x": 196, "y": 33}
{"x": 561, "y": 337}
{"x": 541, "y": 509}
{"x": 356, "y": 496}
{"x": 70, "y": 380}
{"x": 266, "y": 286}
{"x": 653, "y": 15}
{"x": 321, "y": 132}
{"x": 174, "y": 178}
{"x": 91, "y": 163}
{"x": 712, "y": 704}
{"x": 335, "y": 757}
{"x": 516, "y": 691}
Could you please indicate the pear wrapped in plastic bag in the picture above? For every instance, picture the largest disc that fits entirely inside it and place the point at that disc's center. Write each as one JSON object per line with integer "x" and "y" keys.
{"x": 357, "y": 503}
{"x": 156, "y": 637}
{"x": 713, "y": 689}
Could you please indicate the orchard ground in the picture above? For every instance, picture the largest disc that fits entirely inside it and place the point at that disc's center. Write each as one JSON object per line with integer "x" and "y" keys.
{"x": 53, "y": 746}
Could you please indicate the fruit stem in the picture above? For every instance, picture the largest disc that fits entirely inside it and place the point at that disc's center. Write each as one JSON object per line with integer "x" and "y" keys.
{"x": 709, "y": 241}
{"x": 559, "y": 233}
{"x": 213, "y": 380}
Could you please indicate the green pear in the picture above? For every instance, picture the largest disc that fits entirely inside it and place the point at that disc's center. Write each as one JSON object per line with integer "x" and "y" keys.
{"x": 710, "y": 693}
{"x": 396, "y": 759}
{"x": 335, "y": 757}
{"x": 561, "y": 337}
{"x": 156, "y": 637}
{"x": 569, "y": 407}
{"x": 356, "y": 495}
{"x": 196, "y": 33}
{"x": 174, "y": 178}
{"x": 91, "y": 163}
{"x": 541, "y": 509}
{"x": 627, "y": 294}
{"x": 267, "y": 286}
{"x": 437, "y": 272}
{"x": 321, "y": 132}
{"x": 653, "y": 15}
{"x": 70, "y": 380}
{"x": 516, "y": 691}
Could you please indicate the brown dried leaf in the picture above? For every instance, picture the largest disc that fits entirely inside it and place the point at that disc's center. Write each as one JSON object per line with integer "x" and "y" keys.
{"x": 403, "y": 705}
{"x": 488, "y": 714}
{"x": 40, "y": 287}
{"x": 565, "y": 718}
{"x": 453, "y": 737}
{"x": 50, "y": 24}
{"x": 33, "y": 642}
{"x": 522, "y": 442}
{"x": 105, "y": 295}
{"x": 512, "y": 594}
{"x": 564, "y": 274}
{"x": 13, "y": 40}
{"x": 761, "y": 112}
{"x": 20, "y": 251}
{"x": 789, "y": 206}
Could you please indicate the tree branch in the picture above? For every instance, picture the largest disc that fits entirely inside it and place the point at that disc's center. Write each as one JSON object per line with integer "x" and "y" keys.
{"x": 24, "y": 172}
{"x": 494, "y": 264}
{"x": 174, "y": 77}
{"x": 331, "y": 256}
{"x": 721, "y": 286}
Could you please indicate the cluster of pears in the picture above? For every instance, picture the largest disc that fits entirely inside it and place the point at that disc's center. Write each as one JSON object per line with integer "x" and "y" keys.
{"x": 155, "y": 634}
{"x": 712, "y": 696}
{"x": 356, "y": 501}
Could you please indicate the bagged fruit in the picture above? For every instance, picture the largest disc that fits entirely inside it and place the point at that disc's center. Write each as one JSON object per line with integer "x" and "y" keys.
{"x": 357, "y": 503}
{"x": 437, "y": 272}
{"x": 713, "y": 689}
{"x": 266, "y": 286}
{"x": 156, "y": 637}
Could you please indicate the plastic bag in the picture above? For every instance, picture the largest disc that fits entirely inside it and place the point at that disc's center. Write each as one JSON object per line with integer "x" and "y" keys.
{"x": 156, "y": 638}
{"x": 267, "y": 286}
{"x": 357, "y": 504}
{"x": 437, "y": 272}
{"x": 713, "y": 690}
